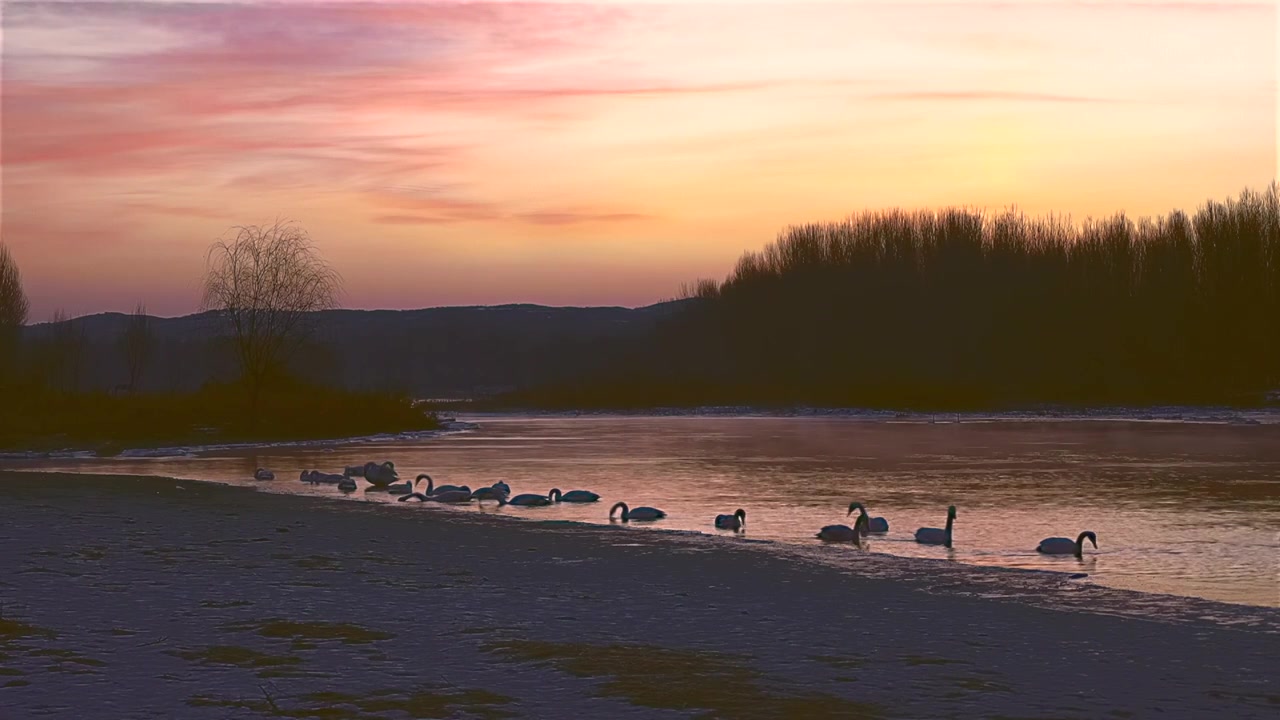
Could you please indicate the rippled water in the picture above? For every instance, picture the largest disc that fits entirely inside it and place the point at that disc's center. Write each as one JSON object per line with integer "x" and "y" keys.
{"x": 1186, "y": 509}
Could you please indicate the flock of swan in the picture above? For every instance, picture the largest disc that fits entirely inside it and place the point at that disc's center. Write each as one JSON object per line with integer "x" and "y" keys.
{"x": 384, "y": 477}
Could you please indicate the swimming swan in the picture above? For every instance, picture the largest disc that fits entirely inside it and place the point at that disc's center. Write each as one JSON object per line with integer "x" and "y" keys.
{"x": 573, "y": 496}
{"x": 640, "y": 513}
{"x": 414, "y": 495}
{"x": 347, "y": 485}
{"x": 844, "y": 533}
{"x": 264, "y": 474}
{"x": 877, "y": 525}
{"x": 380, "y": 475}
{"x": 934, "y": 536}
{"x": 431, "y": 485}
{"x": 732, "y": 522}
{"x": 1064, "y": 546}
{"x": 489, "y": 493}
{"x": 874, "y": 524}
{"x": 526, "y": 500}
{"x": 450, "y": 496}
{"x": 315, "y": 477}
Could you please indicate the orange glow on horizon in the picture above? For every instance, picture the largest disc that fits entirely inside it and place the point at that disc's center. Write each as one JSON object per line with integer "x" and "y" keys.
{"x": 593, "y": 153}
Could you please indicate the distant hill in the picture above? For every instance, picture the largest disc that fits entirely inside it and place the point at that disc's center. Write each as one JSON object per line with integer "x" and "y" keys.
{"x": 445, "y": 352}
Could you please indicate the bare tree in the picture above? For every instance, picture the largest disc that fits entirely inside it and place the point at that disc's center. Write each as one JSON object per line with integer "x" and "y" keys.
{"x": 265, "y": 283}
{"x": 137, "y": 341}
{"x": 13, "y": 310}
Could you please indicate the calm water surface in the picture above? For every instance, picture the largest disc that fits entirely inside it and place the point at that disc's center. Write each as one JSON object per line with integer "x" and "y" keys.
{"x": 1185, "y": 509}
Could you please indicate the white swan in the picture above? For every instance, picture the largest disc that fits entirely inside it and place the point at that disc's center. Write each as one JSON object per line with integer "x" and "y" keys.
{"x": 489, "y": 493}
{"x": 431, "y": 485}
{"x": 347, "y": 484}
{"x": 732, "y": 522}
{"x": 263, "y": 474}
{"x": 877, "y": 525}
{"x": 527, "y": 500}
{"x": 1064, "y": 546}
{"x": 414, "y": 495}
{"x": 451, "y": 496}
{"x": 874, "y": 524}
{"x": 640, "y": 513}
{"x": 403, "y": 487}
{"x": 934, "y": 536}
{"x": 380, "y": 475}
{"x": 844, "y": 533}
{"x": 573, "y": 496}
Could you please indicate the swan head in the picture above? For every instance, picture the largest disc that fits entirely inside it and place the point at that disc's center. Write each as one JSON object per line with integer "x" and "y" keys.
{"x": 554, "y": 495}
{"x": 623, "y": 506}
{"x": 1087, "y": 535}
{"x": 741, "y": 515}
{"x": 951, "y": 512}
{"x": 856, "y": 506}
{"x": 421, "y": 477}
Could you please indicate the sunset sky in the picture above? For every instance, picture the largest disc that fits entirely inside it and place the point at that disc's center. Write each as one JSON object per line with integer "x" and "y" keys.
{"x": 444, "y": 153}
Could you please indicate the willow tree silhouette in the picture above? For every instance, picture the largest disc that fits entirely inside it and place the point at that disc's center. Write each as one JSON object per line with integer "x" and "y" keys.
{"x": 265, "y": 283}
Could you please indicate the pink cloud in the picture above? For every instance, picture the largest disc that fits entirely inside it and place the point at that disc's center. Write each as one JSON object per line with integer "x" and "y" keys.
{"x": 482, "y": 106}
{"x": 261, "y": 96}
{"x": 180, "y": 210}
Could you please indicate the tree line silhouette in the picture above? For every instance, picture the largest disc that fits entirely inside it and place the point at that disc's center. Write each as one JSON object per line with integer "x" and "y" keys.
{"x": 959, "y": 308}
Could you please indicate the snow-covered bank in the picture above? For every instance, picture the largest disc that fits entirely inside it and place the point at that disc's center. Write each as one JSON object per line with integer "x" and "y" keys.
{"x": 158, "y": 598}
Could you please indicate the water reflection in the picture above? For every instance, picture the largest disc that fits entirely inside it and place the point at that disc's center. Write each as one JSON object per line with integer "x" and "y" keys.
{"x": 1183, "y": 509}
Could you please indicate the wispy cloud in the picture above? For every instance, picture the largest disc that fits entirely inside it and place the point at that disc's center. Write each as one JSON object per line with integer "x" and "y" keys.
{"x": 592, "y": 121}
{"x": 443, "y": 210}
{"x": 991, "y": 95}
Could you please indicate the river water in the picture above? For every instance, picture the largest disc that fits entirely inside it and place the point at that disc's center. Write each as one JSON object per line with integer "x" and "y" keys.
{"x": 1180, "y": 508}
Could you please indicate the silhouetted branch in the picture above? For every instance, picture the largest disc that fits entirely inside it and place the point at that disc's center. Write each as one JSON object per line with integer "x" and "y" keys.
{"x": 265, "y": 283}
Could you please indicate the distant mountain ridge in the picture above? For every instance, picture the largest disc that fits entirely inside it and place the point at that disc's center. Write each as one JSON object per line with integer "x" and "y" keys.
{"x": 452, "y": 351}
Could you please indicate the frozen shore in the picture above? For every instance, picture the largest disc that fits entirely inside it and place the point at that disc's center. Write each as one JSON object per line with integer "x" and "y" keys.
{"x": 154, "y": 598}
